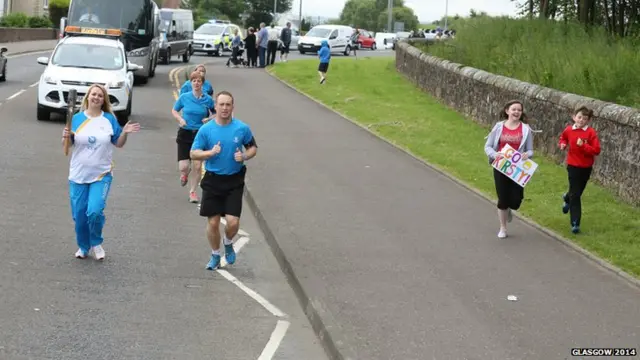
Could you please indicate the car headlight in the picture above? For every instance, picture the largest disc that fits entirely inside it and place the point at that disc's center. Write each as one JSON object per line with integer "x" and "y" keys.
{"x": 116, "y": 84}
{"x": 139, "y": 52}
{"x": 50, "y": 80}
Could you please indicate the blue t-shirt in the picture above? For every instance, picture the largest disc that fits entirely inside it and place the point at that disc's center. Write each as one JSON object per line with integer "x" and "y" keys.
{"x": 206, "y": 87}
{"x": 233, "y": 136}
{"x": 194, "y": 110}
{"x": 263, "y": 34}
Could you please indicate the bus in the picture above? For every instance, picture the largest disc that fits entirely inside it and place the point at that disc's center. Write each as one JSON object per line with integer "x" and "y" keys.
{"x": 138, "y": 21}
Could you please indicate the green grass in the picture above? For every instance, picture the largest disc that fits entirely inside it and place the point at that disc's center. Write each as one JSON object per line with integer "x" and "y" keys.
{"x": 371, "y": 92}
{"x": 552, "y": 54}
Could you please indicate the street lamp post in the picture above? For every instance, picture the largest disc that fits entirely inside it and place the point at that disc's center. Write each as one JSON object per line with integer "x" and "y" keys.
{"x": 300, "y": 17}
{"x": 446, "y": 14}
{"x": 389, "y": 15}
{"x": 275, "y": 10}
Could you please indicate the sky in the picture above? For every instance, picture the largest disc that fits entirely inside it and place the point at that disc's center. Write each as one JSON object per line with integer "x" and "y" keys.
{"x": 426, "y": 10}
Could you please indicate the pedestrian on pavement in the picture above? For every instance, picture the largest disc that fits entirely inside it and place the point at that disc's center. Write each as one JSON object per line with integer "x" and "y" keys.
{"x": 94, "y": 133}
{"x": 197, "y": 109}
{"x": 514, "y": 131}
{"x": 272, "y": 45}
{"x": 584, "y": 146}
{"x": 261, "y": 44}
{"x": 206, "y": 85}
{"x": 354, "y": 41}
{"x": 252, "y": 48}
{"x": 220, "y": 144}
{"x": 235, "y": 49}
{"x": 325, "y": 57}
{"x": 285, "y": 37}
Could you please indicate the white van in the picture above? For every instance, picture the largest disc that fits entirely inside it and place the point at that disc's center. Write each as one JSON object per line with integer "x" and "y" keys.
{"x": 338, "y": 37}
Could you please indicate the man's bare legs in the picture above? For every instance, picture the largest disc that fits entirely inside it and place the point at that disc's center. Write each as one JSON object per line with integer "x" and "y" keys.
{"x": 213, "y": 235}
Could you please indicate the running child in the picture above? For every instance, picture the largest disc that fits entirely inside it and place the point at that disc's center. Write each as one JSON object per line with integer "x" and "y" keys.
{"x": 325, "y": 57}
{"x": 584, "y": 145}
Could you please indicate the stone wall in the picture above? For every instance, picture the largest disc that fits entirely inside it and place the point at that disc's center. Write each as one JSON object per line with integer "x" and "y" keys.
{"x": 481, "y": 96}
{"x": 27, "y": 34}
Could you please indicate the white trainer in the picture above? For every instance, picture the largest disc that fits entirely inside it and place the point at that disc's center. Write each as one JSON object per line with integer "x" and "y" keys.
{"x": 502, "y": 233}
{"x": 81, "y": 254}
{"x": 98, "y": 252}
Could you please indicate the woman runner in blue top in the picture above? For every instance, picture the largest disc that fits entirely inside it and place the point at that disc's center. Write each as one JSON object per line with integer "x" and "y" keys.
{"x": 206, "y": 85}
{"x": 197, "y": 109}
{"x": 94, "y": 134}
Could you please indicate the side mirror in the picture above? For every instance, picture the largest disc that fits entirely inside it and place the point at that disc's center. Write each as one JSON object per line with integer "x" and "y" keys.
{"x": 43, "y": 60}
{"x": 133, "y": 67}
{"x": 333, "y": 37}
{"x": 3, "y": 50}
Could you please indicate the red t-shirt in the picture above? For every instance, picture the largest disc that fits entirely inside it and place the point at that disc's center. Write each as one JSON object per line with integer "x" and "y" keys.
{"x": 580, "y": 156}
{"x": 511, "y": 137}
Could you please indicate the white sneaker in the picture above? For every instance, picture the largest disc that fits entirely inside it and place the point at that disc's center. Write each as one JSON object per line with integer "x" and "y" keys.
{"x": 98, "y": 252}
{"x": 502, "y": 233}
{"x": 81, "y": 254}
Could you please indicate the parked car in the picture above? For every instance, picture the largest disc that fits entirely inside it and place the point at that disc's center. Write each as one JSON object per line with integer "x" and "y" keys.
{"x": 366, "y": 40}
{"x": 3, "y": 64}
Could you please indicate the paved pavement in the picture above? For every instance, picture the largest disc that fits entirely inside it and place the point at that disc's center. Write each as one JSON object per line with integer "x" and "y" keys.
{"x": 398, "y": 261}
{"x": 151, "y": 298}
{"x": 21, "y": 47}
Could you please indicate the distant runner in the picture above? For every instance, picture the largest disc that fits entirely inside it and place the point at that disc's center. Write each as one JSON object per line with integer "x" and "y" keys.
{"x": 94, "y": 133}
{"x": 220, "y": 143}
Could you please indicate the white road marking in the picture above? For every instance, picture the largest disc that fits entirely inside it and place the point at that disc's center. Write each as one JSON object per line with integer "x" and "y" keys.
{"x": 254, "y": 295}
{"x": 16, "y": 94}
{"x": 274, "y": 341}
{"x": 34, "y": 84}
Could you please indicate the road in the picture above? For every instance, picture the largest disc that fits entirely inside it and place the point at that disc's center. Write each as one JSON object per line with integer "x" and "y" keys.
{"x": 151, "y": 298}
{"x": 399, "y": 261}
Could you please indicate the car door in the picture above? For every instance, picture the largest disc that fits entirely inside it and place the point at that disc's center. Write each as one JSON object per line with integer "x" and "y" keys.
{"x": 334, "y": 41}
{"x": 367, "y": 39}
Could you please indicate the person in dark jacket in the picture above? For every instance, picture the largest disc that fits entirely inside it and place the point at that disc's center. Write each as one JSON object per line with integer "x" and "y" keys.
{"x": 285, "y": 37}
{"x": 250, "y": 46}
{"x": 325, "y": 56}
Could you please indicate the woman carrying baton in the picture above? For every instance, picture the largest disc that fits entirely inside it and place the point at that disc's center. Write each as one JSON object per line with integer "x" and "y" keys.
{"x": 197, "y": 110}
{"x": 94, "y": 133}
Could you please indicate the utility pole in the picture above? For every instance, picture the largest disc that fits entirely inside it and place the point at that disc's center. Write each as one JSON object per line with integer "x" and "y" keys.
{"x": 275, "y": 10}
{"x": 390, "y": 16}
{"x": 300, "y": 17}
{"x": 446, "y": 14}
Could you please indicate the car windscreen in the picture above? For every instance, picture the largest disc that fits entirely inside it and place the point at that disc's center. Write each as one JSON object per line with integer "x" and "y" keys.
{"x": 319, "y": 32}
{"x": 88, "y": 57}
{"x": 207, "y": 29}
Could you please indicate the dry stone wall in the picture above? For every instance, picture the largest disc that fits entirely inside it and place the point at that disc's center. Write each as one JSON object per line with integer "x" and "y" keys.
{"x": 480, "y": 96}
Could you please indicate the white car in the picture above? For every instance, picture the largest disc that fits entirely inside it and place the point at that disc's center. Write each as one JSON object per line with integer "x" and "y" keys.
{"x": 79, "y": 62}
{"x": 338, "y": 37}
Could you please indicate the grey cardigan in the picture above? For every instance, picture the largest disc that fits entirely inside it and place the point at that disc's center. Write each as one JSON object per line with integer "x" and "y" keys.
{"x": 493, "y": 139}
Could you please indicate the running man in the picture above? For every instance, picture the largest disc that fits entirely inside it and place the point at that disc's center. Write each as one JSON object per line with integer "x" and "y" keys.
{"x": 220, "y": 144}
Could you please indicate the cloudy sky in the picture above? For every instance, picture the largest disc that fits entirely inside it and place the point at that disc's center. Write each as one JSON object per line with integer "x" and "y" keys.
{"x": 427, "y": 10}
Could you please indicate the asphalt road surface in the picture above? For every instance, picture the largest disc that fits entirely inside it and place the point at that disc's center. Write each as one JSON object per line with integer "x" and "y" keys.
{"x": 401, "y": 262}
{"x": 152, "y": 297}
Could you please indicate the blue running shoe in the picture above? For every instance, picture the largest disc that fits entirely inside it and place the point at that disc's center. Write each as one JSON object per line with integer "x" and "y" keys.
{"x": 229, "y": 254}
{"x": 214, "y": 263}
{"x": 565, "y": 206}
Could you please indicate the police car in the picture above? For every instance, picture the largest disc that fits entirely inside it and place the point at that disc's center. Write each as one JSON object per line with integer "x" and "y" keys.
{"x": 77, "y": 63}
{"x": 215, "y": 37}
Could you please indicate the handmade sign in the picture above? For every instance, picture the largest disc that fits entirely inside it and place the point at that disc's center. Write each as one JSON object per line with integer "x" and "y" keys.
{"x": 512, "y": 165}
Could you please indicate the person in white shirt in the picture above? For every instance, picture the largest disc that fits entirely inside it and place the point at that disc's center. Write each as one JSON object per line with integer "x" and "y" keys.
{"x": 94, "y": 134}
{"x": 272, "y": 46}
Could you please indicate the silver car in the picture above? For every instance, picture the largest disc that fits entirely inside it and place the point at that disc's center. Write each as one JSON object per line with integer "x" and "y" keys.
{"x": 3, "y": 64}
{"x": 295, "y": 35}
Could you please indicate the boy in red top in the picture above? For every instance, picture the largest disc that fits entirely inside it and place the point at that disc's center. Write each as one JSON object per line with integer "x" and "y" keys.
{"x": 584, "y": 146}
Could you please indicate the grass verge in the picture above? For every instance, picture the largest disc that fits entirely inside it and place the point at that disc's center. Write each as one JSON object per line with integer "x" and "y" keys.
{"x": 371, "y": 92}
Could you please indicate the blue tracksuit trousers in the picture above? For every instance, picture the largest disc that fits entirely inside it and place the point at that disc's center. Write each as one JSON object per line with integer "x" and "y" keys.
{"x": 88, "y": 202}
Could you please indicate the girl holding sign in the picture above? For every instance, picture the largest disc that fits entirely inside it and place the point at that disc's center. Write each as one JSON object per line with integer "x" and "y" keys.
{"x": 512, "y": 130}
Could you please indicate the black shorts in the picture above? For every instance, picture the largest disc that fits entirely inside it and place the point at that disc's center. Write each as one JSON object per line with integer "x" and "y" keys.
{"x": 184, "y": 139}
{"x": 285, "y": 48}
{"x": 222, "y": 194}
{"x": 323, "y": 67}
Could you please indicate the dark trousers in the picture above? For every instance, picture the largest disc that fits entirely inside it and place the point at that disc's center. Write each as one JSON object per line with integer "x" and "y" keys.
{"x": 578, "y": 178}
{"x": 261, "y": 55}
{"x": 272, "y": 49}
{"x": 252, "y": 56}
{"x": 234, "y": 56}
{"x": 510, "y": 194}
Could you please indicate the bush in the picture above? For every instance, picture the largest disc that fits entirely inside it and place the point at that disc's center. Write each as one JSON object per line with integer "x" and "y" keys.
{"x": 552, "y": 54}
{"x": 57, "y": 10}
{"x": 15, "y": 20}
{"x": 39, "y": 22}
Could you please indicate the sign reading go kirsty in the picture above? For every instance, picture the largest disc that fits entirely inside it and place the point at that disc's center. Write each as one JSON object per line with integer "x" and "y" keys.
{"x": 512, "y": 165}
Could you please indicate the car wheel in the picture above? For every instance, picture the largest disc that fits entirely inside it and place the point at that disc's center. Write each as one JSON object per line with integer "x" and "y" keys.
{"x": 3, "y": 77}
{"x": 43, "y": 113}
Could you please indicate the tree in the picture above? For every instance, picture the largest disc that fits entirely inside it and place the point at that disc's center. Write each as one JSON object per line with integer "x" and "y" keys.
{"x": 399, "y": 14}
{"x": 360, "y": 13}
